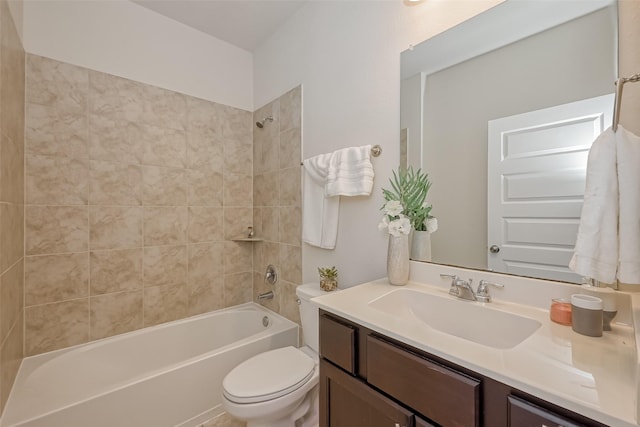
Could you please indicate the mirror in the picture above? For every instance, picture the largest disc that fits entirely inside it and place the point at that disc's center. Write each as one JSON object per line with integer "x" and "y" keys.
{"x": 517, "y": 58}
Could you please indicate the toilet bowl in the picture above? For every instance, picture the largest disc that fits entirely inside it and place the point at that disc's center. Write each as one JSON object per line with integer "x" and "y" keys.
{"x": 279, "y": 388}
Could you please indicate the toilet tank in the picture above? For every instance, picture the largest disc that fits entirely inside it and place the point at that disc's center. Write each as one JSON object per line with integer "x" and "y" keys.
{"x": 309, "y": 313}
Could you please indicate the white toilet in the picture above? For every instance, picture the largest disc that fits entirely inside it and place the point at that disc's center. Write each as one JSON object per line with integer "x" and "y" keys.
{"x": 279, "y": 388}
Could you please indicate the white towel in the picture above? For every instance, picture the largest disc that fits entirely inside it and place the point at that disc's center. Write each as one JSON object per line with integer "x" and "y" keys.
{"x": 628, "y": 146}
{"x": 596, "y": 251}
{"x": 350, "y": 172}
{"x": 319, "y": 213}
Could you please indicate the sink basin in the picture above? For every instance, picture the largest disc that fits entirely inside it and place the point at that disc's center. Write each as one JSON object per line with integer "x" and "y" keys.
{"x": 464, "y": 319}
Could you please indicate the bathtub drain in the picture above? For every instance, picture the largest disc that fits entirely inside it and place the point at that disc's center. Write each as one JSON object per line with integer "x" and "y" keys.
{"x": 265, "y": 321}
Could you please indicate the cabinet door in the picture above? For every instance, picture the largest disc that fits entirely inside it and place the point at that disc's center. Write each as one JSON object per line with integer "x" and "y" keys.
{"x": 346, "y": 401}
{"x": 525, "y": 414}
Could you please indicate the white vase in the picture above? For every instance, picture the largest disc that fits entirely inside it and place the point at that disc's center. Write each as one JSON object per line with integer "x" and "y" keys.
{"x": 398, "y": 259}
{"x": 421, "y": 246}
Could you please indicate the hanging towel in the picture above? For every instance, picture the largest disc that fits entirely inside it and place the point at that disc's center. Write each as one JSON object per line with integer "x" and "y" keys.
{"x": 350, "y": 172}
{"x": 319, "y": 213}
{"x": 596, "y": 251}
{"x": 628, "y": 146}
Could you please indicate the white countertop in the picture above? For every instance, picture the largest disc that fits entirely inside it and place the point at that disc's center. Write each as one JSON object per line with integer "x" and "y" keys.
{"x": 595, "y": 377}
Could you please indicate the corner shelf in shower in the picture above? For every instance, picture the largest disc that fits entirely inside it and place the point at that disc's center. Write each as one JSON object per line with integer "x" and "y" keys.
{"x": 248, "y": 239}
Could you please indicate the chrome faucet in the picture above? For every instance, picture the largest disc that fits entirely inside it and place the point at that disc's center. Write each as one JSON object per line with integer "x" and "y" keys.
{"x": 462, "y": 288}
{"x": 483, "y": 290}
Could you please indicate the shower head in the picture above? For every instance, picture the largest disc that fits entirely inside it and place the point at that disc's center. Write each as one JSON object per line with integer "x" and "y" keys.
{"x": 261, "y": 123}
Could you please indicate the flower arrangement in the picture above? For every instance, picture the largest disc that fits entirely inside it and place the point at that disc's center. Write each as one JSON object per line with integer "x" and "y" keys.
{"x": 406, "y": 205}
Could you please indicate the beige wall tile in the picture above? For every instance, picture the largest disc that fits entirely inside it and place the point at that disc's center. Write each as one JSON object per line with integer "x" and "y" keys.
{"x": 206, "y": 262}
{"x": 12, "y": 232}
{"x": 237, "y": 257}
{"x": 238, "y": 288}
{"x": 12, "y": 78}
{"x": 271, "y": 152}
{"x": 116, "y": 313}
{"x": 289, "y": 184}
{"x": 50, "y": 132}
{"x": 206, "y": 296}
{"x": 237, "y": 190}
{"x": 204, "y": 115}
{"x": 165, "y": 225}
{"x": 270, "y": 255}
{"x": 58, "y": 325}
{"x": 271, "y": 188}
{"x": 114, "y": 271}
{"x": 205, "y": 224}
{"x": 115, "y": 227}
{"x": 114, "y": 139}
{"x": 165, "y": 265}
{"x": 55, "y": 229}
{"x": 236, "y": 125}
{"x": 164, "y": 186}
{"x": 164, "y": 147}
{"x": 291, "y": 263}
{"x": 270, "y": 223}
{"x": 205, "y": 187}
{"x": 290, "y": 225}
{"x": 51, "y": 82}
{"x": 288, "y": 301}
{"x": 11, "y": 298}
{"x": 164, "y": 108}
{"x": 291, "y": 109}
{"x": 258, "y": 161}
{"x": 290, "y": 149}
{"x": 56, "y": 180}
{"x": 165, "y": 303}
{"x": 204, "y": 149}
{"x": 115, "y": 184}
{"x": 53, "y": 278}
{"x": 236, "y": 221}
{"x": 258, "y": 250}
{"x": 237, "y": 156}
{"x": 11, "y": 357}
{"x": 116, "y": 97}
{"x": 11, "y": 169}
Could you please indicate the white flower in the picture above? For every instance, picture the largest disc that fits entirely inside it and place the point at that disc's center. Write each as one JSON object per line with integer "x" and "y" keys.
{"x": 431, "y": 224}
{"x": 400, "y": 226}
{"x": 384, "y": 223}
{"x": 393, "y": 208}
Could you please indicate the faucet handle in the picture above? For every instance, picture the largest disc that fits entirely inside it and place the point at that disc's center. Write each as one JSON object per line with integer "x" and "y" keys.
{"x": 483, "y": 290}
{"x": 453, "y": 290}
{"x": 453, "y": 277}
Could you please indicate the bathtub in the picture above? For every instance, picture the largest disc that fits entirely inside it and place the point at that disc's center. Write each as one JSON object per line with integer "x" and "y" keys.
{"x": 162, "y": 376}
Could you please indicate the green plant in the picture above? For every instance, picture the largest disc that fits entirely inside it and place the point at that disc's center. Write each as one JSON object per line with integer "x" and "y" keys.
{"x": 328, "y": 272}
{"x": 410, "y": 188}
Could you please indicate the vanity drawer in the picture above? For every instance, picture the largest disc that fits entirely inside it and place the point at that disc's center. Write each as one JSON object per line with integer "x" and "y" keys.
{"x": 338, "y": 343}
{"x": 447, "y": 397}
{"x": 526, "y": 414}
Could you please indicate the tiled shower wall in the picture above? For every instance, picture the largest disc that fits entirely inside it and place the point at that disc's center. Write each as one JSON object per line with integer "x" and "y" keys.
{"x": 11, "y": 201}
{"x": 132, "y": 196}
{"x": 277, "y": 200}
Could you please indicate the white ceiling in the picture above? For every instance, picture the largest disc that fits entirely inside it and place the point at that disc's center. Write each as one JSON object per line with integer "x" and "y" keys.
{"x": 243, "y": 23}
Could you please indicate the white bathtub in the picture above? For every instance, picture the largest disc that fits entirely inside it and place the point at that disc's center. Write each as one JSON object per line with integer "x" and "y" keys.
{"x": 163, "y": 376}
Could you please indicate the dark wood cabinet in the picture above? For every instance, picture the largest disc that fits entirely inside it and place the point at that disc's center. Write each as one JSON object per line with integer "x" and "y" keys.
{"x": 370, "y": 380}
{"x": 352, "y": 403}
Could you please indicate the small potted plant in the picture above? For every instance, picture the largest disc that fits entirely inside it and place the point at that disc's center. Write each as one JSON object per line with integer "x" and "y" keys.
{"x": 328, "y": 278}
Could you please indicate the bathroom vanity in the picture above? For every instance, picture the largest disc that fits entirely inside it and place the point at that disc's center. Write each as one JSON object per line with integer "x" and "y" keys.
{"x": 384, "y": 362}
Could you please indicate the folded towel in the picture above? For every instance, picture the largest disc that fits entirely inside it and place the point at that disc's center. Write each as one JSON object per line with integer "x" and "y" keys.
{"x": 319, "y": 213}
{"x": 628, "y": 146}
{"x": 596, "y": 251}
{"x": 350, "y": 172}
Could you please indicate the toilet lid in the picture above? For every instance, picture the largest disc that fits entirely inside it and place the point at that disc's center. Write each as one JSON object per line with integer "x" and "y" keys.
{"x": 268, "y": 375}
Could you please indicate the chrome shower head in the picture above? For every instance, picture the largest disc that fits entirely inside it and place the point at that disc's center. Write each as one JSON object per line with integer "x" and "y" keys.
{"x": 261, "y": 123}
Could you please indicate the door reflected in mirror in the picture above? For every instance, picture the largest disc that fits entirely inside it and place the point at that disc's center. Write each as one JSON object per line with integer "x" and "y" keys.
{"x": 518, "y": 59}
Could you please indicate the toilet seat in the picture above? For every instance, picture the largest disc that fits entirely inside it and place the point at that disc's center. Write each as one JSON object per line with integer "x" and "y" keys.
{"x": 268, "y": 376}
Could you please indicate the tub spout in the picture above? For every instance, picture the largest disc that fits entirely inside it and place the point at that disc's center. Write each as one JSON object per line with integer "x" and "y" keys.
{"x": 266, "y": 295}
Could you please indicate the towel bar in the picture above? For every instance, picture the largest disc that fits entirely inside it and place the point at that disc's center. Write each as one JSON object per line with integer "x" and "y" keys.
{"x": 376, "y": 150}
{"x": 619, "y": 84}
